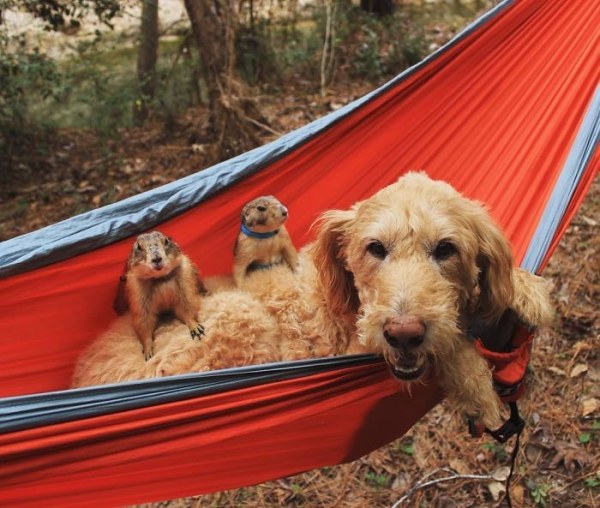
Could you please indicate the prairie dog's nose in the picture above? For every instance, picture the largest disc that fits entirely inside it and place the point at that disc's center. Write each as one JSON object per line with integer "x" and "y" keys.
{"x": 404, "y": 331}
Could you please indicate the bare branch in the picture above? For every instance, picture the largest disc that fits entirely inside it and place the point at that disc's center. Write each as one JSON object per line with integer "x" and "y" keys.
{"x": 422, "y": 484}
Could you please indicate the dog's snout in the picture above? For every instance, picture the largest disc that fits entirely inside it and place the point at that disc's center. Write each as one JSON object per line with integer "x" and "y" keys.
{"x": 405, "y": 331}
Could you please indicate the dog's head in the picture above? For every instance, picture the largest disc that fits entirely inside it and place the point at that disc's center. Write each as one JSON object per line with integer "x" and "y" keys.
{"x": 412, "y": 266}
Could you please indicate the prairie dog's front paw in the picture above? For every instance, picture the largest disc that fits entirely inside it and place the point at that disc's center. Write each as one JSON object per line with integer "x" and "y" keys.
{"x": 197, "y": 332}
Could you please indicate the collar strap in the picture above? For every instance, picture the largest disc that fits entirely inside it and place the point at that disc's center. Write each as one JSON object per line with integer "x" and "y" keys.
{"x": 260, "y": 236}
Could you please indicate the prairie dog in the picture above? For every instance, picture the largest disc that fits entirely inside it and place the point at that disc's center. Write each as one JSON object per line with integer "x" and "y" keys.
{"x": 263, "y": 240}
{"x": 159, "y": 278}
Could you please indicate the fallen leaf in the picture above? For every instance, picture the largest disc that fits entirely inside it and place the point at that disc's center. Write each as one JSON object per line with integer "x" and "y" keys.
{"x": 496, "y": 489}
{"x": 501, "y": 474}
{"x": 578, "y": 369}
{"x": 517, "y": 493}
{"x": 400, "y": 483}
{"x": 459, "y": 466}
{"x": 582, "y": 345}
{"x": 556, "y": 370}
{"x": 589, "y": 221}
{"x": 593, "y": 374}
{"x": 589, "y": 406}
{"x": 571, "y": 456}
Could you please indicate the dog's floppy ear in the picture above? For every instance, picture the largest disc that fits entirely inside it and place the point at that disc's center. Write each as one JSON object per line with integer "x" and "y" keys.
{"x": 494, "y": 260}
{"x": 327, "y": 253}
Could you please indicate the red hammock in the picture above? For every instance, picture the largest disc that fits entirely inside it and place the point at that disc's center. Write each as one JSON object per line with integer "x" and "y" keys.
{"x": 508, "y": 113}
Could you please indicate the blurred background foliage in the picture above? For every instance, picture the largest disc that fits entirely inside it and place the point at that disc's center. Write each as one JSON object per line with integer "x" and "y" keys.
{"x": 91, "y": 82}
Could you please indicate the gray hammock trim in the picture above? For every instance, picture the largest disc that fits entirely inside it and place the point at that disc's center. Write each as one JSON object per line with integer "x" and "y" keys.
{"x": 580, "y": 156}
{"x": 30, "y": 411}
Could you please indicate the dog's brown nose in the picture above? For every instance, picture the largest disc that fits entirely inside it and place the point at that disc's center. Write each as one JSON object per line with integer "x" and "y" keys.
{"x": 405, "y": 331}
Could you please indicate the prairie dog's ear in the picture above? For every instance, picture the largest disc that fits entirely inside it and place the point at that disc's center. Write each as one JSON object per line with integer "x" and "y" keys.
{"x": 494, "y": 259}
{"x": 327, "y": 254}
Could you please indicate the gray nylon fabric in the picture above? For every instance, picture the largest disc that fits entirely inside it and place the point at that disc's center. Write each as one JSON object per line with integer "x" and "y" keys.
{"x": 20, "y": 413}
{"x": 131, "y": 216}
{"x": 581, "y": 153}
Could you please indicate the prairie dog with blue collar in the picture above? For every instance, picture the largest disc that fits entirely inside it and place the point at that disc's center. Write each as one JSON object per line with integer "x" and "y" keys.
{"x": 159, "y": 278}
{"x": 263, "y": 240}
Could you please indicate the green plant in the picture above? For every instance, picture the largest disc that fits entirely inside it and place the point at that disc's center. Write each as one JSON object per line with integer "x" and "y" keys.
{"x": 407, "y": 448}
{"x": 375, "y": 479}
{"x": 27, "y": 76}
{"x": 539, "y": 494}
{"x": 369, "y": 63}
{"x": 254, "y": 55}
{"x": 593, "y": 481}
{"x": 497, "y": 449}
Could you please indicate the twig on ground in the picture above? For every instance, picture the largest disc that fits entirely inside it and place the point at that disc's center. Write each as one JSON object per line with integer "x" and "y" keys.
{"x": 421, "y": 484}
{"x": 262, "y": 126}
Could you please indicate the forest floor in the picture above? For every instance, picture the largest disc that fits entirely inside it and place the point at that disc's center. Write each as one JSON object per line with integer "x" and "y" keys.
{"x": 558, "y": 464}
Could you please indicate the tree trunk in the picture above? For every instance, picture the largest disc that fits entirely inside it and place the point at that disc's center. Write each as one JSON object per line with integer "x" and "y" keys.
{"x": 146, "y": 62}
{"x": 233, "y": 118}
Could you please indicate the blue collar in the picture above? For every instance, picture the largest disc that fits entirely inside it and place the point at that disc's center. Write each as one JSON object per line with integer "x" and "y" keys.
{"x": 254, "y": 234}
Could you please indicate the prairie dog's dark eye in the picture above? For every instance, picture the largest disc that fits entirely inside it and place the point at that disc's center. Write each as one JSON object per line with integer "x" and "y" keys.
{"x": 443, "y": 250}
{"x": 377, "y": 249}
{"x": 261, "y": 208}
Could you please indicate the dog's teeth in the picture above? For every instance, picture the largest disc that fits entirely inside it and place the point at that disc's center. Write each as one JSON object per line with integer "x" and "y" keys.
{"x": 406, "y": 370}
{"x": 409, "y": 371}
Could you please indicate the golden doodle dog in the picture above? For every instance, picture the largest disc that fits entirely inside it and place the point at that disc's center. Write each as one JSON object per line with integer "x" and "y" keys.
{"x": 405, "y": 274}
{"x": 411, "y": 270}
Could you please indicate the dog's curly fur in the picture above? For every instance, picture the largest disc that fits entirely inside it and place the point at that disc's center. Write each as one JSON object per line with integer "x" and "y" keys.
{"x": 404, "y": 274}
{"x": 241, "y": 332}
{"x": 412, "y": 268}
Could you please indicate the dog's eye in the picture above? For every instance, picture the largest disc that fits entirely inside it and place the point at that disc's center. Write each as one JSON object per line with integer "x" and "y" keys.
{"x": 139, "y": 247}
{"x": 377, "y": 249}
{"x": 261, "y": 208}
{"x": 443, "y": 250}
{"x": 167, "y": 241}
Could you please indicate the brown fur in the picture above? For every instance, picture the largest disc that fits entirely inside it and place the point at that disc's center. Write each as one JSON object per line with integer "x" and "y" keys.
{"x": 341, "y": 296}
{"x": 263, "y": 215}
{"x": 238, "y": 332}
{"x": 159, "y": 278}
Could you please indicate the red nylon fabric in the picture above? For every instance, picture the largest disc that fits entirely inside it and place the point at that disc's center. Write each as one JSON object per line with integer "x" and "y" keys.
{"x": 204, "y": 444}
{"x": 496, "y": 115}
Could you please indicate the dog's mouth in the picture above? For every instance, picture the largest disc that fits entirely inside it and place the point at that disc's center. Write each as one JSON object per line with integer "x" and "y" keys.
{"x": 406, "y": 367}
